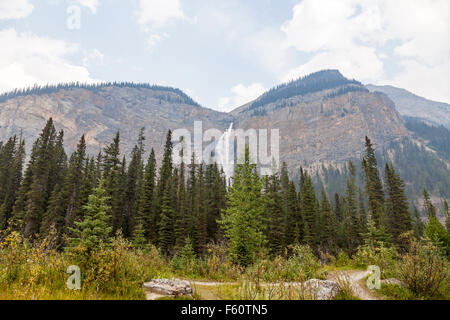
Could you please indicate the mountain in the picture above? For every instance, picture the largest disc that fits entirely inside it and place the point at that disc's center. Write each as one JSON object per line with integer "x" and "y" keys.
{"x": 411, "y": 105}
{"x": 323, "y": 119}
{"x": 99, "y": 111}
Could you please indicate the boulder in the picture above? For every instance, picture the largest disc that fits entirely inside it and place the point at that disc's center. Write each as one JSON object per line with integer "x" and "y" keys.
{"x": 394, "y": 282}
{"x": 169, "y": 288}
{"x": 322, "y": 289}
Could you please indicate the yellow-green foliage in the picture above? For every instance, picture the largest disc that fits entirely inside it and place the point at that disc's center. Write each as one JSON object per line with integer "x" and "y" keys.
{"x": 380, "y": 255}
{"x": 425, "y": 270}
{"x": 38, "y": 272}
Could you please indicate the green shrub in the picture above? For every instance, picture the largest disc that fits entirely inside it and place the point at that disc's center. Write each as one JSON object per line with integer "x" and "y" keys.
{"x": 424, "y": 269}
{"x": 383, "y": 257}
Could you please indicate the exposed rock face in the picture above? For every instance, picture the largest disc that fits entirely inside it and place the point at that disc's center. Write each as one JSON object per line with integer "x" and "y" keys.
{"x": 101, "y": 112}
{"x": 322, "y": 289}
{"x": 168, "y": 288}
{"x": 316, "y": 129}
{"x": 411, "y": 105}
{"x": 323, "y": 118}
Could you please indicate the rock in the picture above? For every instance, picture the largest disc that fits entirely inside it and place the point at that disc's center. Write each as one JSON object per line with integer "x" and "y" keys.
{"x": 169, "y": 288}
{"x": 394, "y": 282}
{"x": 322, "y": 289}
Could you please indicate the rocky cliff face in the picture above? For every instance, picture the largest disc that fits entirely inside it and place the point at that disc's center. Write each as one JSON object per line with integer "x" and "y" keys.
{"x": 411, "y": 105}
{"x": 322, "y": 118}
{"x": 99, "y": 113}
{"x": 326, "y": 126}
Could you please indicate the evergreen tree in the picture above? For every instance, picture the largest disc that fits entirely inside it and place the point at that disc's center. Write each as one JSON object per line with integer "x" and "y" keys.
{"x": 166, "y": 225}
{"x": 309, "y": 211}
{"x": 41, "y": 177}
{"x": 134, "y": 177}
{"x": 146, "y": 212}
{"x": 419, "y": 226}
{"x": 113, "y": 175}
{"x": 352, "y": 221}
{"x": 447, "y": 216}
{"x": 374, "y": 188}
{"x": 274, "y": 214}
{"x": 12, "y": 156}
{"x": 328, "y": 240}
{"x": 95, "y": 227}
{"x": 430, "y": 209}
{"x": 243, "y": 220}
{"x": 398, "y": 214}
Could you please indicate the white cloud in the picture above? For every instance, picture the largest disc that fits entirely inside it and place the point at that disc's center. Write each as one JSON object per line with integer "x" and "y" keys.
{"x": 241, "y": 95}
{"x": 153, "y": 15}
{"x": 27, "y": 59}
{"x": 158, "y": 13}
{"x": 90, "y": 4}
{"x": 15, "y": 9}
{"x": 93, "y": 57}
{"x": 359, "y": 37}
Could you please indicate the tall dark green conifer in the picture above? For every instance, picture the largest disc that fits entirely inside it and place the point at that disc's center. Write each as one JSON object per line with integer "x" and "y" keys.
{"x": 374, "y": 188}
{"x": 147, "y": 210}
{"x": 397, "y": 210}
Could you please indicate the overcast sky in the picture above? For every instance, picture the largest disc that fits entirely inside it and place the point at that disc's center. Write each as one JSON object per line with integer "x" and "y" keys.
{"x": 226, "y": 53}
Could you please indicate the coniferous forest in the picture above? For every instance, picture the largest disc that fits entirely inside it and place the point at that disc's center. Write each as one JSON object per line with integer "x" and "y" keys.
{"x": 125, "y": 220}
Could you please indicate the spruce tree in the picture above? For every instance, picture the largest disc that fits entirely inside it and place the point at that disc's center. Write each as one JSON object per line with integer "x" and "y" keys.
{"x": 146, "y": 211}
{"x": 94, "y": 228}
{"x": 243, "y": 219}
{"x": 419, "y": 226}
{"x": 352, "y": 221}
{"x": 32, "y": 203}
{"x": 398, "y": 214}
{"x": 12, "y": 156}
{"x": 328, "y": 240}
{"x": 374, "y": 188}
{"x": 430, "y": 209}
{"x": 309, "y": 211}
{"x": 274, "y": 214}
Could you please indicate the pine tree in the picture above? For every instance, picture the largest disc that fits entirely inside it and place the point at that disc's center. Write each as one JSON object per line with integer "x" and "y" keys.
{"x": 329, "y": 224}
{"x": 146, "y": 211}
{"x": 309, "y": 211}
{"x": 429, "y": 207}
{"x": 447, "y": 215}
{"x": 243, "y": 220}
{"x": 133, "y": 186}
{"x": 338, "y": 208}
{"x": 166, "y": 225}
{"x": 164, "y": 193}
{"x": 95, "y": 227}
{"x": 419, "y": 226}
{"x": 12, "y": 156}
{"x": 64, "y": 206}
{"x": 398, "y": 214}
{"x": 33, "y": 197}
{"x": 374, "y": 188}
{"x": 113, "y": 175}
{"x": 274, "y": 214}
{"x": 201, "y": 219}
{"x": 181, "y": 210}
{"x": 352, "y": 221}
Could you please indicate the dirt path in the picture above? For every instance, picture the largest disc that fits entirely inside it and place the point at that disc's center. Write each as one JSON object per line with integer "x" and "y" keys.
{"x": 205, "y": 289}
{"x": 358, "y": 283}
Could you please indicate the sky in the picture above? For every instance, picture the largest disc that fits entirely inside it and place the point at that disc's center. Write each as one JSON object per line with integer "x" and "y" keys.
{"x": 226, "y": 53}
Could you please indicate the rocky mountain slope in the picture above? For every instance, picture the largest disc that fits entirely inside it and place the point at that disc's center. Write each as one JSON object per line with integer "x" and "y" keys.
{"x": 99, "y": 112}
{"x": 323, "y": 119}
{"x": 411, "y": 105}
